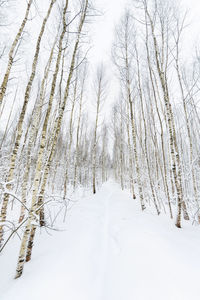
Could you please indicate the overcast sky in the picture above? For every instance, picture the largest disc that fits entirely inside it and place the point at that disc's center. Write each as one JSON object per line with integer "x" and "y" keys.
{"x": 103, "y": 34}
{"x": 103, "y": 28}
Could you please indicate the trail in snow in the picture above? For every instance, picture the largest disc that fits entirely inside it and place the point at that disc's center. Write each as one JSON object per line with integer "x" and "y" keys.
{"x": 110, "y": 250}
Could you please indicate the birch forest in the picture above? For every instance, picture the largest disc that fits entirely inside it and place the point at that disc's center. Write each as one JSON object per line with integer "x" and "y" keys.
{"x": 86, "y": 145}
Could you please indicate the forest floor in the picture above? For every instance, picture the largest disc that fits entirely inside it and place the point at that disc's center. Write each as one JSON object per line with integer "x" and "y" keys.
{"x": 107, "y": 250}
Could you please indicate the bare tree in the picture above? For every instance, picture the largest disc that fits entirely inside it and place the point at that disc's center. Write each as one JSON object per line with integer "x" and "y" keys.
{"x": 12, "y": 51}
{"x": 100, "y": 88}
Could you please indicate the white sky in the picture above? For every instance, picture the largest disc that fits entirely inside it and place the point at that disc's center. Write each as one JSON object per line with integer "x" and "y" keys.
{"x": 103, "y": 34}
{"x": 103, "y": 28}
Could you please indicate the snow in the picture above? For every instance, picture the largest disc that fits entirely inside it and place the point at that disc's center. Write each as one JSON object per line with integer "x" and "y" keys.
{"x": 107, "y": 250}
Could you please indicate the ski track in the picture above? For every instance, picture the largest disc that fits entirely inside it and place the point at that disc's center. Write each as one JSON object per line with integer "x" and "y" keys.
{"x": 110, "y": 250}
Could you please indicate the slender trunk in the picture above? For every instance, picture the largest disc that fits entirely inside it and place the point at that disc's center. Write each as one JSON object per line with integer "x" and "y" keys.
{"x": 133, "y": 131}
{"x": 57, "y": 127}
{"x": 68, "y": 147}
{"x": 4, "y": 84}
{"x": 175, "y": 156}
{"x": 145, "y": 137}
{"x": 162, "y": 132}
{"x": 189, "y": 136}
{"x": 21, "y": 119}
{"x": 34, "y": 131}
{"x": 130, "y": 156}
{"x": 37, "y": 177}
{"x": 78, "y": 131}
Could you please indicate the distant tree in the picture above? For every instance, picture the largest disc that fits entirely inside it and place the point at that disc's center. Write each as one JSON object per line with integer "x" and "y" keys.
{"x": 100, "y": 93}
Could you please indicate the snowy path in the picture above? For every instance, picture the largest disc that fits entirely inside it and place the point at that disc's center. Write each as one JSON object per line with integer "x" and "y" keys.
{"x": 109, "y": 251}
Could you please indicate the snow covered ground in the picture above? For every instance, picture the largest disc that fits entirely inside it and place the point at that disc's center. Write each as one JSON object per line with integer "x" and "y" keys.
{"x": 109, "y": 250}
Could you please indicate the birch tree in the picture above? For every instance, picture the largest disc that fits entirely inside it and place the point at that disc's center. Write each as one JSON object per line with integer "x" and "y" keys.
{"x": 12, "y": 53}
{"x": 123, "y": 59}
{"x": 19, "y": 130}
{"x": 176, "y": 168}
{"x": 100, "y": 88}
{"x": 30, "y": 226}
